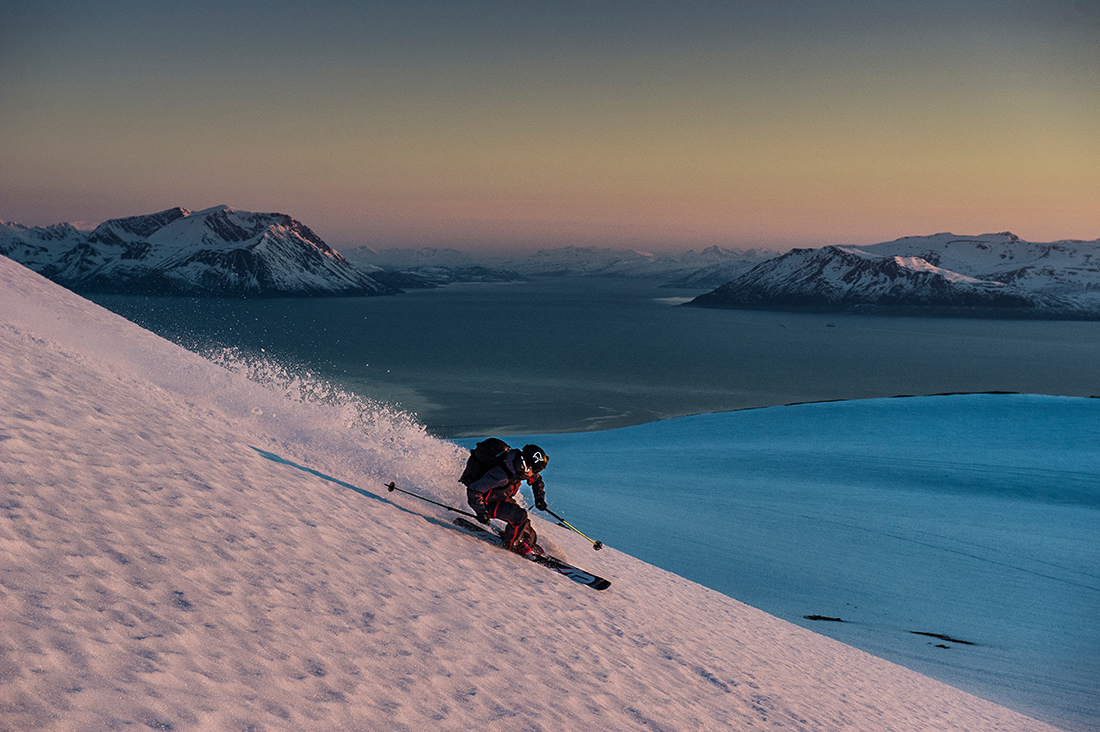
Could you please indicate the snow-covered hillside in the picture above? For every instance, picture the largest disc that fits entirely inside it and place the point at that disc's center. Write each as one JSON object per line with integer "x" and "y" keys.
{"x": 1070, "y": 268}
{"x": 990, "y": 273}
{"x": 184, "y": 549}
{"x": 719, "y": 273}
{"x": 219, "y": 251}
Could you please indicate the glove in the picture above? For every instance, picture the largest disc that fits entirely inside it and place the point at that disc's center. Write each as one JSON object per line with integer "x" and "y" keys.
{"x": 540, "y": 503}
{"x": 483, "y": 518}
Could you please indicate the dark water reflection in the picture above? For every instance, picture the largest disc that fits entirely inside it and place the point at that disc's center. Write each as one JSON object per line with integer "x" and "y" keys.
{"x": 560, "y": 355}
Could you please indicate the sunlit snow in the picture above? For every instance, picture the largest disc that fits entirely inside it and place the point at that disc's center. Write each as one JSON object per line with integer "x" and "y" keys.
{"x": 182, "y": 548}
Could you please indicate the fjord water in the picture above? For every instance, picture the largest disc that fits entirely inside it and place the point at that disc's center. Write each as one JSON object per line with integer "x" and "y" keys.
{"x": 572, "y": 354}
{"x": 958, "y": 536}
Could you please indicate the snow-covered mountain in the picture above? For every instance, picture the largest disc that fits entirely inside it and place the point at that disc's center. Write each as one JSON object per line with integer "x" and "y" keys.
{"x": 185, "y": 549}
{"x": 40, "y": 246}
{"x": 588, "y": 261}
{"x": 993, "y": 273}
{"x": 426, "y": 266}
{"x": 605, "y": 262}
{"x": 217, "y": 251}
{"x": 708, "y": 268}
{"x": 1068, "y": 267}
{"x": 714, "y": 275}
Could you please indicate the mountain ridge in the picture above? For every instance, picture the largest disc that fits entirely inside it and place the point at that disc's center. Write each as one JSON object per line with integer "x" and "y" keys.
{"x": 216, "y": 251}
{"x": 222, "y": 251}
{"x": 942, "y": 274}
{"x": 708, "y": 268}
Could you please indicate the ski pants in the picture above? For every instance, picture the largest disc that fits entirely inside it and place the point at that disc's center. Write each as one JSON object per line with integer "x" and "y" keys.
{"x": 499, "y": 505}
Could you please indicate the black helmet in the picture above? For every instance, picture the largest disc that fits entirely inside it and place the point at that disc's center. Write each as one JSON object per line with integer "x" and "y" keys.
{"x": 534, "y": 457}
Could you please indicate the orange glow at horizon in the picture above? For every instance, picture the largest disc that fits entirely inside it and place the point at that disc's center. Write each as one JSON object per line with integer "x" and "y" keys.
{"x": 775, "y": 142}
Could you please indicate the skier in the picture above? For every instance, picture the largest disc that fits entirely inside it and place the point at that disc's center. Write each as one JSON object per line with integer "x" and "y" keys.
{"x": 493, "y": 495}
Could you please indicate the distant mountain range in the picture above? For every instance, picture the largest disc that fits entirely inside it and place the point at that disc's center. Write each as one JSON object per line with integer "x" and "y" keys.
{"x": 226, "y": 252}
{"x": 992, "y": 274}
{"x": 217, "y": 251}
{"x": 427, "y": 266}
{"x": 709, "y": 268}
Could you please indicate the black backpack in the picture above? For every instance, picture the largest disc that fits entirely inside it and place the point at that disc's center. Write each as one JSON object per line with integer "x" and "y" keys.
{"x": 486, "y": 455}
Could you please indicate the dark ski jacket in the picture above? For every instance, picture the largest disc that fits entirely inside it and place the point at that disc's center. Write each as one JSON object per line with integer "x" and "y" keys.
{"x": 504, "y": 480}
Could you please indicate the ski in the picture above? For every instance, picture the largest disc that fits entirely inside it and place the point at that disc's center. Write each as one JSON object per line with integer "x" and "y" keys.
{"x": 539, "y": 557}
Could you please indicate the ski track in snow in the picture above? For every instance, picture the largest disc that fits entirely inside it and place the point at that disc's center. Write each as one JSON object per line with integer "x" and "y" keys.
{"x": 158, "y": 569}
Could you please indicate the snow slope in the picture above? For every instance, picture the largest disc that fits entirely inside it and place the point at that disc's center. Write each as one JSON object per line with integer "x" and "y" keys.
{"x": 184, "y": 549}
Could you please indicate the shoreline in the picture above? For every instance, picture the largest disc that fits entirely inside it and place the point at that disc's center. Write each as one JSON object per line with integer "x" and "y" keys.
{"x": 504, "y": 430}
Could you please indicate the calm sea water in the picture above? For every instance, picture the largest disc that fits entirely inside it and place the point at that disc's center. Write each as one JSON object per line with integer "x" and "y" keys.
{"x": 569, "y": 354}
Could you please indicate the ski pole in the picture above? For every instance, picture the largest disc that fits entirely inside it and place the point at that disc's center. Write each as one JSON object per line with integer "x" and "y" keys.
{"x": 597, "y": 545}
{"x": 393, "y": 487}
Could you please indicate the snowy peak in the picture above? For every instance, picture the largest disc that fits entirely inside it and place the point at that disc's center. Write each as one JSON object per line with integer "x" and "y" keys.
{"x": 966, "y": 254}
{"x": 43, "y": 233}
{"x": 215, "y": 251}
{"x": 36, "y": 247}
{"x": 135, "y": 228}
{"x": 943, "y": 273}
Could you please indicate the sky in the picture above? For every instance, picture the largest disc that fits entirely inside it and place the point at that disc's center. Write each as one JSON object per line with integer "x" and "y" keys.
{"x": 518, "y": 125}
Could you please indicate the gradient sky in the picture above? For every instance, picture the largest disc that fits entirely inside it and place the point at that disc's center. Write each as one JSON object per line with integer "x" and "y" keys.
{"x": 657, "y": 125}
